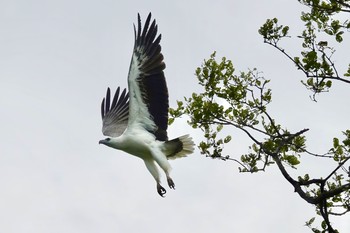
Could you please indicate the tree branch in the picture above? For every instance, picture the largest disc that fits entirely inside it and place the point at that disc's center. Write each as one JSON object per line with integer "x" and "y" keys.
{"x": 337, "y": 168}
{"x": 301, "y": 67}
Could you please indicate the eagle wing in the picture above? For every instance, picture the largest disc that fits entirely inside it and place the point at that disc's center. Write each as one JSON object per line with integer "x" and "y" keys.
{"x": 149, "y": 101}
{"x": 115, "y": 115}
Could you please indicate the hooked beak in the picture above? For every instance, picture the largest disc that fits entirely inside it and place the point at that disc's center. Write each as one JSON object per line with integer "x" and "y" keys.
{"x": 102, "y": 142}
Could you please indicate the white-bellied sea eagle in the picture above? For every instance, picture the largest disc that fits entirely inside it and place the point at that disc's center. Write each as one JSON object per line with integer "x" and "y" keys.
{"x": 136, "y": 121}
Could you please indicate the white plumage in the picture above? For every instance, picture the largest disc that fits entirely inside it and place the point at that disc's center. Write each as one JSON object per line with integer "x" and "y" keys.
{"x": 137, "y": 122}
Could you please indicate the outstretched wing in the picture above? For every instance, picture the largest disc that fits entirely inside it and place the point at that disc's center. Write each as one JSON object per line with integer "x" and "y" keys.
{"x": 147, "y": 86}
{"x": 115, "y": 115}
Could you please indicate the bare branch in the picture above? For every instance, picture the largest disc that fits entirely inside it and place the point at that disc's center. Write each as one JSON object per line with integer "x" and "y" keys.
{"x": 337, "y": 168}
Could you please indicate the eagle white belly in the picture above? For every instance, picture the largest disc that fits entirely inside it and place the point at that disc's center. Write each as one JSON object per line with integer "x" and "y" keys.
{"x": 137, "y": 143}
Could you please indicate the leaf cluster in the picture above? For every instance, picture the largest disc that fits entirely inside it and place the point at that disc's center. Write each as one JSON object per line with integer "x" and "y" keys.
{"x": 240, "y": 101}
{"x": 316, "y": 58}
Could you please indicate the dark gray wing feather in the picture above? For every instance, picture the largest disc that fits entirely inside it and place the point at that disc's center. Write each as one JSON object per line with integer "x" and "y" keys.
{"x": 115, "y": 116}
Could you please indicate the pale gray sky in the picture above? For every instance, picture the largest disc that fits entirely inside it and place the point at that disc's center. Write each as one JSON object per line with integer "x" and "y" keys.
{"x": 56, "y": 60}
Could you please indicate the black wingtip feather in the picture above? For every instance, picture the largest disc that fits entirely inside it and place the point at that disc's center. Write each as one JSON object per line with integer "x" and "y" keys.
{"x": 152, "y": 32}
{"x": 138, "y": 27}
{"x": 123, "y": 99}
{"x": 103, "y": 108}
{"x": 115, "y": 98}
{"x": 108, "y": 98}
{"x": 135, "y": 32}
{"x": 124, "y": 95}
{"x": 145, "y": 29}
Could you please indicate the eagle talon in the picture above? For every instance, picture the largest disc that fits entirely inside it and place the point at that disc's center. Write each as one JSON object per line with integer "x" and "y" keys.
{"x": 171, "y": 183}
{"x": 161, "y": 191}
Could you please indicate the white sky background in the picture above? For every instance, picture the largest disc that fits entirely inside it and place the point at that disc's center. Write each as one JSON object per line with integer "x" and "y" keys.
{"x": 56, "y": 60}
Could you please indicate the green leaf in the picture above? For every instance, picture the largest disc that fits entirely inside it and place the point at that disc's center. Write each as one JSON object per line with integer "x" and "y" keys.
{"x": 310, "y": 82}
{"x": 339, "y": 37}
{"x": 219, "y": 127}
{"x": 310, "y": 222}
{"x": 347, "y": 74}
{"x": 335, "y": 142}
{"x": 285, "y": 30}
{"x": 227, "y": 139}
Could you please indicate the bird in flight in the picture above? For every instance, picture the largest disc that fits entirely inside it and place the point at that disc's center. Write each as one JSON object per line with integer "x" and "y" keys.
{"x": 136, "y": 121}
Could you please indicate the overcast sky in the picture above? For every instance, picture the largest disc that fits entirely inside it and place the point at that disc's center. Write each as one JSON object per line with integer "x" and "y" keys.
{"x": 56, "y": 60}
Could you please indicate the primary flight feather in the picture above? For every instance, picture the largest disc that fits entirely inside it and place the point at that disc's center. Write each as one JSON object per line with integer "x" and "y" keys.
{"x": 137, "y": 121}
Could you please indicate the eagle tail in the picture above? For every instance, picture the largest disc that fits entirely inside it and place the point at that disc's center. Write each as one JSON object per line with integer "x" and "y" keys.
{"x": 179, "y": 147}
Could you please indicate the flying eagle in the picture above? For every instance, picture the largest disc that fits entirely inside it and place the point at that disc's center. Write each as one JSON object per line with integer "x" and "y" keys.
{"x": 136, "y": 121}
